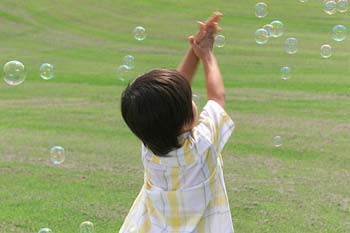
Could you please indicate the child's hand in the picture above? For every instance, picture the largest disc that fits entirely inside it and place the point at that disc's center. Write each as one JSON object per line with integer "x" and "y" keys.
{"x": 208, "y": 28}
{"x": 203, "y": 50}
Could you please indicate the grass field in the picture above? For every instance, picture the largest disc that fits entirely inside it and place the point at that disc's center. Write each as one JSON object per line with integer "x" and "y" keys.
{"x": 303, "y": 186}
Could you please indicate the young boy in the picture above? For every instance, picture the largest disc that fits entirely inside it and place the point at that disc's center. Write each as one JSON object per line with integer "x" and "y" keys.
{"x": 183, "y": 189}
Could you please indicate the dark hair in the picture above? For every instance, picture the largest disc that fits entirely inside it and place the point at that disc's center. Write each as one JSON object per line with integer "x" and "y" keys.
{"x": 156, "y": 106}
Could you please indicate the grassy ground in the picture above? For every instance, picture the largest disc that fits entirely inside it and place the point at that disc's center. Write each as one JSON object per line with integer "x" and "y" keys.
{"x": 303, "y": 186}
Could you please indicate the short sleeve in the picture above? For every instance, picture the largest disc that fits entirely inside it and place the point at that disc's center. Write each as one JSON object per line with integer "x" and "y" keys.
{"x": 215, "y": 124}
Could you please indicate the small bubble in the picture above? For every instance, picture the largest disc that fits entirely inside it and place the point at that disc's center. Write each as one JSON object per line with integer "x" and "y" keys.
{"x": 277, "y": 141}
{"x": 57, "y": 155}
{"x": 139, "y": 33}
{"x": 219, "y": 41}
{"x": 326, "y": 51}
{"x": 286, "y": 72}
{"x": 261, "y": 9}
{"x": 261, "y": 36}
{"x": 46, "y": 71}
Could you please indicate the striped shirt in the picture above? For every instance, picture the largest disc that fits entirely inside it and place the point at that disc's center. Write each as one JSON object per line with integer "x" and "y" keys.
{"x": 185, "y": 191}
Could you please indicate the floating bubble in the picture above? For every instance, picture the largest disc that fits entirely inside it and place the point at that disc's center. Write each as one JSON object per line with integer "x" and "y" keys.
{"x": 268, "y": 28}
{"x": 122, "y": 72}
{"x": 196, "y": 99}
{"x": 46, "y": 71}
{"x": 291, "y": 45}
{"x": 57, "y": 155}
{"x": 261, "y": 10}
{"x": 330, "y": 6}
{"x": 129, "y": 62}
{"x": 139, "y": 33}
{"x": 342, "y": 5}
{"x": 86, "y": 227}
{"x": 277, "y": 141}
{"x": 261, "y": 36}
{"x": 339, "y": 32}
{"x": 219, "y": 41}
{"x": 303, "y": 0}
{"x": 45, "y": 230}
{"x": 286, "y": 72}
{"x": 326, "y": 51}
{"x": 14, "y": 73}
{"x": 277, "y": 28}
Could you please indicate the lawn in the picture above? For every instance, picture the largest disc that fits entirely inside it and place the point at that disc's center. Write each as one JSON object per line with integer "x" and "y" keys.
{"x": 302, "y": 186}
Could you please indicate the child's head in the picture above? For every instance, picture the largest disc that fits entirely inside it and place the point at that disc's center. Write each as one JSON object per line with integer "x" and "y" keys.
{"x": 157, "y": 107}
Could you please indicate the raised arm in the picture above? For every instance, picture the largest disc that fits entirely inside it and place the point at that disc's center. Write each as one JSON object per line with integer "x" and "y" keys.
{"x": 214, "y": 83}
{"x": 189, "y": 64}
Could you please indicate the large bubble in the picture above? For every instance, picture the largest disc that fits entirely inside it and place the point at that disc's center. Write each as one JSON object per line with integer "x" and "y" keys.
{"x": 339, "y": 33}
{"x": 261, "y": 9}
{"x": 342, "y": 5}
{"x": 14, "y": 73}
{"x": 86, "y": 227}
{"x": 291, "y": 45}
{"x": 277, "y": 28}
{"x": 261, "y": 36}
{"x": 268, "y": 28}
{"x": 330, "y": 6}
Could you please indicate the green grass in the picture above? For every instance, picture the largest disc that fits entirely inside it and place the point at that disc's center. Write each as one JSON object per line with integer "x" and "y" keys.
{"x": 302, "y": 186}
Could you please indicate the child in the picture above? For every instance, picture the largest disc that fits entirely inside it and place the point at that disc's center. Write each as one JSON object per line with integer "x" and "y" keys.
{"x": 183, "y": 189}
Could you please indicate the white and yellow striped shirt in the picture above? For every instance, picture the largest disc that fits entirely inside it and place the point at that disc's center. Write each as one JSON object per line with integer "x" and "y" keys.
{"x": 185, "y": 191}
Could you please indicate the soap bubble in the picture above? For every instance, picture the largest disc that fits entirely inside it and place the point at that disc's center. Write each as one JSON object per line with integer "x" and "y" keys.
{"x": 286, "y": 72}
{"x": 303, "y": 0}
{"x": 268, "y": 28}
{"x": 14, "y": 73}
{"x": 122, "y": 72}
{"x": 86, "y": 227}
{"x": 46, "y": 71}
{"x": 277, "y": 141}
{"x": 326, "y": 51}
{"x": 139, "y": 33}
{"x": 261, "y": 36}
{"x": 45, "y": 230}
{"x": 277, "y": 28}
{"x": 261, "y": 10}
{"x": 291, "y": 45}
{"x": 330, "y": 6}
{"x": 339, "y": 32}
{"x": 57, "y": 155}
{"x": 342, "y": 5}
{"x": 219, "y": 41}
{"x": 196, "y": 99}
{"x": 129, "y": 62}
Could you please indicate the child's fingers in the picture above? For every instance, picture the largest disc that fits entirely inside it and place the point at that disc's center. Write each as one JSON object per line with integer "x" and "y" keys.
{"x": 193, "y": 43}
{"x": 215, "y": 17}
{"x": 191, "y": 39}
{"x": 201, "y": 25}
